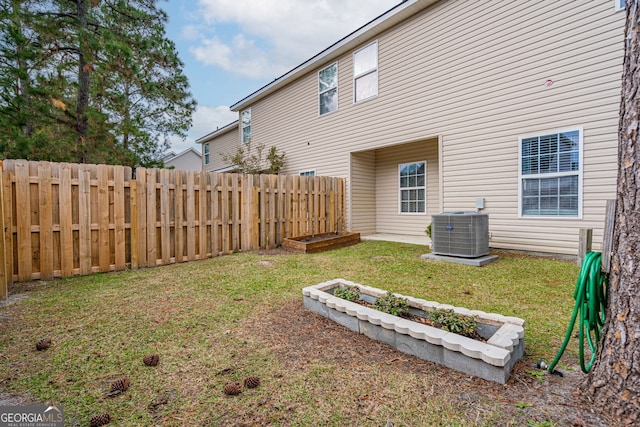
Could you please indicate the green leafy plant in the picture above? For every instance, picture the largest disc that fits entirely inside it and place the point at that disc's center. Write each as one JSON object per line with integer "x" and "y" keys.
{"x": 450, "y": 321}
{"x": 392, "y": 304}
{"x": 427, "y": 230}
{"x": 539, "y": 375}
{"x": 350, "y": 293}
{"x": 251, "y": 160}
{"x": 523, "y": 405}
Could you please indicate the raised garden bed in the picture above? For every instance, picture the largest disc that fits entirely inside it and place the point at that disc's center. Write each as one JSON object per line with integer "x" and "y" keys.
{"x": 320, "y": 242}
{"x": 491, "y": 360}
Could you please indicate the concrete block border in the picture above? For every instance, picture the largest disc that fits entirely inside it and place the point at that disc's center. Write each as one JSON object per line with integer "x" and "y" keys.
{"x": 492, "y": 360}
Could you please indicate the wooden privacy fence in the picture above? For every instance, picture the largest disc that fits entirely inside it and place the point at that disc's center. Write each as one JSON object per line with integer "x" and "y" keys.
{"x": 60, "y": 219}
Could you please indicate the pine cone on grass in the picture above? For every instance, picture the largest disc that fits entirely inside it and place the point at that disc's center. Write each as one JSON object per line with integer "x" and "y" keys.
{"x": 233, "y": 389}
{"x": 43, "y": 344}
{"x": 151, "y": 359}
{"x": 100, "y": 420}
{"x": 251, "y": 382}
{"x": 118, "y": 386}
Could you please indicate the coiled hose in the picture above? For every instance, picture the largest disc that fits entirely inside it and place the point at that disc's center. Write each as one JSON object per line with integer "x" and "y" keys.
{"x": 591, "y": 300}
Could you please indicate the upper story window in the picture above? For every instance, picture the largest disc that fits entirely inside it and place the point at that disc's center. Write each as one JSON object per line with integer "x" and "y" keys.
{"x": 311, "y": 172}
{"x": 413, "y": 188}
{"x": 205, "y": 150}
{"x": 551, "y": 175}
{"x": 619, "y": 4}
{"x": 328, "y": 89}
{"x": 246, "y": 125}
{"x": 365, "y": 72}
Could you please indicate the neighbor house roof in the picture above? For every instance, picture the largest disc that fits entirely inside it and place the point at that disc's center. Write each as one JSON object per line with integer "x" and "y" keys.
{"x": 383, "y": 22}
{"x": 220, "y": 131}
{"x": 172, "y": 155}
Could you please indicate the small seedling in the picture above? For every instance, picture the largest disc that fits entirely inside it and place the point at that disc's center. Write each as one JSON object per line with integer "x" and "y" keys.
{"x": 537, "y": 374}
{"x": 350, "y": 293}
{"x": 523, "y": 405}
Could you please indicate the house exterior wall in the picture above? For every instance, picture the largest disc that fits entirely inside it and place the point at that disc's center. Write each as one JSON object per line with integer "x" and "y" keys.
{"x": 188, "y": 160}
{"x": 361, "y": 192}
{"x": 472, "y": 74}
{"x": 226, "y": 144}
{"x": 388, "y": 218}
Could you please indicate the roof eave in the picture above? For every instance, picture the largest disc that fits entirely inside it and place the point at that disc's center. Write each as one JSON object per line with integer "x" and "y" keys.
{"x": 393, "y": 16}
{"x": 224, "y": 129}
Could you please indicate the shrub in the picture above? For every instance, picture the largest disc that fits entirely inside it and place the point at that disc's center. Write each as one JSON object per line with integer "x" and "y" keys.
{"x": 350, "y": 293}
{"x": 450, "y": 321}
{"x": 392, "y": 304}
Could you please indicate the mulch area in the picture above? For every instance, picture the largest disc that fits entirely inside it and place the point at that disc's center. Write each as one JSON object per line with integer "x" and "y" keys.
{"x": 301, "y": 338}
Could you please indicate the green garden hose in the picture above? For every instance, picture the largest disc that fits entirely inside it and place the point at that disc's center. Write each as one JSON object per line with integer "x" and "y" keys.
{"x": 591, "y": 299}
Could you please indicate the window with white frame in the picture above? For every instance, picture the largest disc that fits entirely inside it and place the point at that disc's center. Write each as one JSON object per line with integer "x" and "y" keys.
{"x": 619, "y": 4}
{"x": 328, "y": 89}
{"x": 365, "y": 72}
{"x": 413, "y": 187}
{"x": 311, "y": 172}
{"x": 551, "y": 174}
{"x": 205, "y": 150}
{"x": 246, "y": 125}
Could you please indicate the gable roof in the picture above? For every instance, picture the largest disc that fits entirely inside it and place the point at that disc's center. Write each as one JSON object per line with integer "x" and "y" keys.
{"x": 224, "y": 129}
{"x": 393, "y": 16}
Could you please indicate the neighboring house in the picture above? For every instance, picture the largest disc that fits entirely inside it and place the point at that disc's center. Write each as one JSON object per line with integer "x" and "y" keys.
{"x": 188, "y": 160}
{"x": 435, "y": 104}
{"x": 223, "y": 141}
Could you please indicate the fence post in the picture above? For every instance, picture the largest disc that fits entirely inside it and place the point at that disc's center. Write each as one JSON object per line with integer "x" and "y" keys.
{"x": 584, "y": 244}
{"x": 4, "y": 292}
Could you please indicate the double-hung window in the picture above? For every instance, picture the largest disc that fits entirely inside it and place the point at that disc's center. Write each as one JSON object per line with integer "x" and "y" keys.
{"x": 619, "y": 4}
{"x": 246, "y": 125}
{"x": 413, "y": 188}
{"x": 365, "y": 72}
{"x": 551, "y": 175}
{"x": 205, "y": 149}
{"x": 328, "y": 89}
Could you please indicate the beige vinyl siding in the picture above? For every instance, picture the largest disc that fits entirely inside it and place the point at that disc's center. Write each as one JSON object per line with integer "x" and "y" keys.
{"x": 227, "y": 144}
{"x": 388, "y": 217}
{"x": 362, "y": 193}
{"x": 472, "y": 73}
{"x": 188, "y": 160}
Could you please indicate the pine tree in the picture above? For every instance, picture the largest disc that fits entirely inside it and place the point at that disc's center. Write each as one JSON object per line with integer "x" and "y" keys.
{"x": 90, "y": 81}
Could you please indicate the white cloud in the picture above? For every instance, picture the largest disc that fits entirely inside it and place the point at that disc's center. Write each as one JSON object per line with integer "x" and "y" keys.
{"x": 291, "y": 30}
{"x": 205, "y": 120}
{"x": 241, "y": 57}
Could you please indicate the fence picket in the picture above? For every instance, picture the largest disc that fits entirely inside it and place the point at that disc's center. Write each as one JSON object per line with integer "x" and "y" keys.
{"x": 178, "y": 216}
{"x": 119, "y": 217}
{"x": 8, "y": 219}
{"x": 65, "y": 193}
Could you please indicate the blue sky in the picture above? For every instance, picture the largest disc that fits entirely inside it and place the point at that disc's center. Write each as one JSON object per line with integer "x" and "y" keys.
{"x": 231, "y": 48}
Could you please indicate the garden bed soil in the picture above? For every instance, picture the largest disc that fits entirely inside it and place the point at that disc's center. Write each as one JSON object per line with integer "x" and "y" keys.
{"x": 320, "y": 242}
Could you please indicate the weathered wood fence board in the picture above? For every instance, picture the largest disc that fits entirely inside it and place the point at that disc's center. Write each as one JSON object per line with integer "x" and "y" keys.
{"x": 61, "y": 220}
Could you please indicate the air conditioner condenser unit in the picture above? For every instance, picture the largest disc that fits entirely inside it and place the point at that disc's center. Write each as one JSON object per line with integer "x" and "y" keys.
{"x": 460, "y": 234}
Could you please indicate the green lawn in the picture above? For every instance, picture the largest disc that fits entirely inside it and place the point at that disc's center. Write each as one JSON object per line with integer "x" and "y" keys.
{"x": 225, "y": 318}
